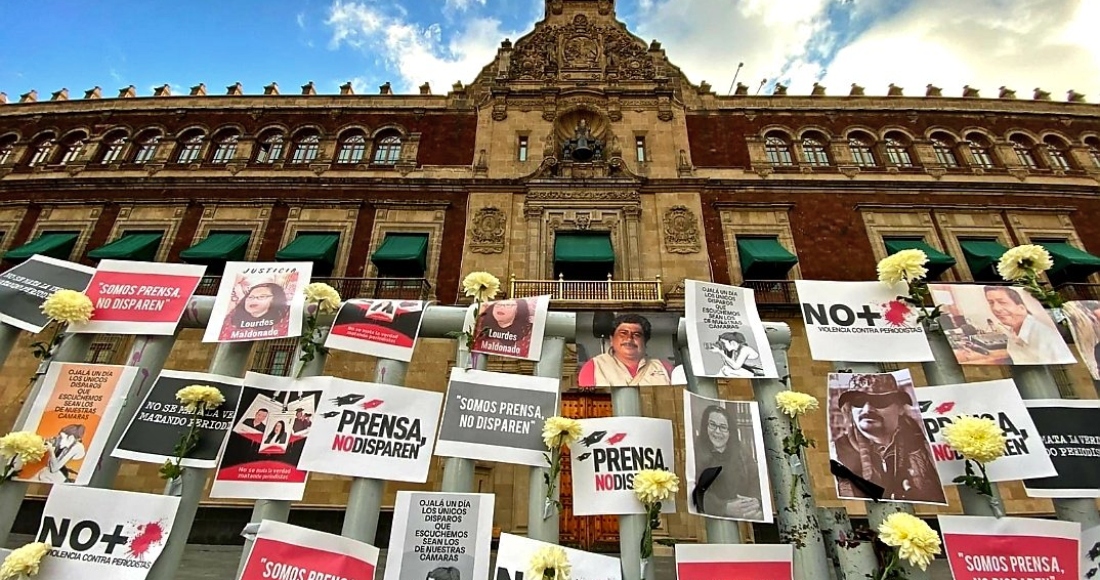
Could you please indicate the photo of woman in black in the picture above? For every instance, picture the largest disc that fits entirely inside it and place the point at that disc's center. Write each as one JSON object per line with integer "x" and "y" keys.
{"x": 263, "y": 311}
{"x": 505, "y": 328}
{"x": 275, "y": 442}
{"x": 735, "y": 492}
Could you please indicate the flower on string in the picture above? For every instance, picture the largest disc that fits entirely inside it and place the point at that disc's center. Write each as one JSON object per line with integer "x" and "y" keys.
{"x": 20, "y": 448}
{"x": 24, "y": 561}
{"x": 197, "y": 400}
{"x": 481, "y": 286}
{"x": 549, "y": 563}
{"x": 194, "y": 395}
{"x": 979, "y": 441}
{"x": 1023, "y": 261}
{"x": 912, "y": 540}
{"x": 795, "y": 404}
{"x": 557, "y": 432}
{"x": 68, "y": 307}
{"x": 324, "y": 296}
{"x": 320, "y": 299}
{"x": 903, "y": 266}
{"x": 651, "y": 487}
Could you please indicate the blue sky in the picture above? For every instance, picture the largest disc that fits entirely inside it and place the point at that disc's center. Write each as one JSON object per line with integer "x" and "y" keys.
{"x": 50, "y": 44}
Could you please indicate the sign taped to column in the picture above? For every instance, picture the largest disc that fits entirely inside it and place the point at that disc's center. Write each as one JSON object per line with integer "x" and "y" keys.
{"x": 726, "y": 338}
{"x": 979, "y": 548}
{"x": 514, "y": 558}
{"x": 286, "y": 551}
{"x": 440, "y": 535}
{"x": 259, "y": 301}
{"x": 1071, "y": 433}
{"x": 611, "y": 452}
{"x": 140, "y": 297}
{"x": 380, "y": 328}
{"x": 512, "y": 328}
{"x": 26, "y": 286}
{"x": 734, "y": 561}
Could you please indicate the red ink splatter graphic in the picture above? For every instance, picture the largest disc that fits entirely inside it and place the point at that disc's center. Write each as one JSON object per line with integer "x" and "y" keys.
{"x": 372, "y": 403}
{"x": 896, "y": 312}
{"x": 616, "y": 438}
{"x": 945, "y": 407}
{"x": 148, "y": 535}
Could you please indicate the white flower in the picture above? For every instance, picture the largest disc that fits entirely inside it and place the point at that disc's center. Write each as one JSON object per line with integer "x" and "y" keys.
{"x": 194, "y": 395}
{"x": 903, "y": 266}
{"x": 1024, "y": 261}
{"x": 795, "y": 404}
{"x": 324, "y": 296}
{"x": 560, "y": 431}
{"x": 24, "y": 561}
{"x": 481, "y": 286}
{"x": 68, "y": 307}
{"x": 552, "y": 559}
{"x": 655, "y": 485}
{"x": 914, "y": 540}
{"x": 976, "y": 438}
{"x": 28, "y": 447}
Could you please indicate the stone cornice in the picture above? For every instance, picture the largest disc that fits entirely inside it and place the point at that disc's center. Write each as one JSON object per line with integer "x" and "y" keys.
{"x": 893, "y": 105}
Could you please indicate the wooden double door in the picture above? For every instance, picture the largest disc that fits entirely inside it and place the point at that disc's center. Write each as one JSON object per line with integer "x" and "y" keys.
{"x": 592, "y": 533}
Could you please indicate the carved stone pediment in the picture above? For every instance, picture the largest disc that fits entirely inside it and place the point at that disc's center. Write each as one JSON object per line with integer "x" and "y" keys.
{"x": 582, "y": 50}
{"x": 487, "y": 231}
{"x": 681, "y": 231}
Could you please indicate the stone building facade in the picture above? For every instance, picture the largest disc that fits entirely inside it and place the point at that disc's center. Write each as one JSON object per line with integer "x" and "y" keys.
{"x": 577, "y": 129}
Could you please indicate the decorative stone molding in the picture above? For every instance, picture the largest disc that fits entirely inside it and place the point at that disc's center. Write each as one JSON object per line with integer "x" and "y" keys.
{"x": 681, "y": 231}
{"x": 583, "y": 195}
{"x": 487, "y": 231}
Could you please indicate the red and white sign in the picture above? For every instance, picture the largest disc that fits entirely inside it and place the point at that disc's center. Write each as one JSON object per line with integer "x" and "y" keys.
{"x": 286, "y": 551}
{"x": 381, "y": 328}
{"x": 981, "y": 548}
{"x": 140, "y": 297}
{"x": 611, "y": 452}
{"x": 734, "y": 561}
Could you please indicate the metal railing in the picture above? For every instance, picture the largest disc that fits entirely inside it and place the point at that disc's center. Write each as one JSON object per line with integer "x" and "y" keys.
{"x": 773, "y": 292}
{"x": 589, "y": 290}
{"x": 349, "y": 288}
{"x": 1077, "y": 291}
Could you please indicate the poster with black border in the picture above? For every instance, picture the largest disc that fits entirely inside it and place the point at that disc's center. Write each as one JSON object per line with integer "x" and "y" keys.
{"x": 259, "y": 459}
{"x": 1071, "y": 433}
{"x": 259, "y": 301}
{"x": 440, "y": 535}
{"x": 161, "y": 421}
{"x": 726, "y": 338}
{"x": 514, "y": 557}
{"x": 26, "y": 286}
{"x": 612, "y": 450}
{"x": 378, "y": 327}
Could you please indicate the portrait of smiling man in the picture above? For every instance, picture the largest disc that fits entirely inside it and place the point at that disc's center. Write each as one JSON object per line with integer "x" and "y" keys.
{"x": 877, "y": 433}
{"x": 1030, "y": 340}
{"x": 627, "y": 362}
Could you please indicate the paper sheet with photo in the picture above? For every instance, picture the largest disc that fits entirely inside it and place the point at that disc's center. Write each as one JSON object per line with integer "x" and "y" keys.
{"x": 436, "y": 532}
{"x": 75, "y": 412}
{"x": 726, "y": 338}
{"x": 380, "y": 328}
{"x": 725, "y": 450}
{"x": 24, "y": 288}
{"x": 1084, "y": 324}
{"x": 715, "y": 561}
{"x": 613, "y": 349}
{"x": 140, "y": 297}
{"x": 998, "y": 325}
{"x": 981, "y": 548}
{"x": 259, "y": 459}
{"x": 259, "y": 301}
{"x": 514, "y": 558}
{"x": 282, "y": 551}
{"x": 611, "y": 451}
{"x": 869, "y": 412}
{"x": 512, "y": 328}
{"x": 1071, "y": 433}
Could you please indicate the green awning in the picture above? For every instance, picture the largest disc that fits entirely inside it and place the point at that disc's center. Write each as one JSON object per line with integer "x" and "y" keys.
{"x": 53, "y": 244}
{"x": 583, "y": 249}
{"x": 218, "y": 247}
{"x": 310, "y": 248}
{"x": 938, "y": 262}
{"x": 1069, "y": 262}
{"x": 982, "y": 257}
{"x": 402, "y": 255}
{"x": 764, "y": 259}
{"x": 137, "y": 246}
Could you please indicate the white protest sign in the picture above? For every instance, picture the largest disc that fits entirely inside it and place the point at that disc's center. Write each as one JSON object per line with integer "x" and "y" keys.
{"x": 725, "y": 335}
{"x": 606, "y": 459}
{"x": 435, "y": 531}
{"x": 514, "y": 558}
{"x": 983, "y": 548}
{"x": 282, "y": 551}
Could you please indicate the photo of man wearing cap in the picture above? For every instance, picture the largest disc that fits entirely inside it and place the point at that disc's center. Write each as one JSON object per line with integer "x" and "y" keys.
{"x": 877, "y": 435}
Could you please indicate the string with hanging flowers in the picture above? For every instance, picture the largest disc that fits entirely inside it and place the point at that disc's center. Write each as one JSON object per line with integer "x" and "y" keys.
{"x": 320, "y": 299}
{"x": 979, "y": 441}
{"x": 196, "y": 400}
{"x": 1023, "y": 265}
{"x": 557, "y": 433}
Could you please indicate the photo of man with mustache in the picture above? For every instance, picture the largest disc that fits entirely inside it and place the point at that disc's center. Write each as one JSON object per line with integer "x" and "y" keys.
{"x": 626, "y": 364}
{"x": 878, "y": 435}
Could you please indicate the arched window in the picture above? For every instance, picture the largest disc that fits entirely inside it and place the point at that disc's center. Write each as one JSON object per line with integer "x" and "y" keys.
{"x": 980, "y": 150}
{"x": 72, "y": 147}
{"x": 112, "y": 147}
{"x": 353, "y": 147}
{"x": 387, "y": 149}
{"x": 1025, "y": 151}
{"x": 897, "y": 150}
{"x": 146, "y": 148}
{"x": 226, "y": 146}
{"x": 813, "y": 150}
{"x": 7, "y": 149}
{"x": 270, "y": 149}
{"x": 1057, "y": 153}
{"x": 190, "y": 147}
{"x": 778, "y": 150}
{"x": 306, "y": 147}
{"x": 944, "y": 148}
{"x": 1093, "y": 145}
{"x": 862, "y": 147}
{"x": 43, "y": 151}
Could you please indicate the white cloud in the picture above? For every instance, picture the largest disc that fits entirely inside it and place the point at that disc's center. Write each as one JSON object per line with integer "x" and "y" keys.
{"x": 461, "y": 5}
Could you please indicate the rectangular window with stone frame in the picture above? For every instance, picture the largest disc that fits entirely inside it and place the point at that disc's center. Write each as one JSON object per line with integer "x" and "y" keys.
{"x": 275, "y": 357}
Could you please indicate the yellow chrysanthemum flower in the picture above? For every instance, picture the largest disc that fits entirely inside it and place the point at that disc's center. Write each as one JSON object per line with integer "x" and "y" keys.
{"x": 324, "y": 296}
{"x": 549, "y": 559}
{"x": 24, "y": 561}
{"x": 978, "y": 439}
{"x": 28, "y": 447}
{"x": 68, "y": 307}
{"x": 795, "y": 404}
{"x": 915, "y": 541}
{"x": 560, "y": 431}
{"x": 1023, "y": 261}
{"x": 654, "y": 485}
{"x": 903, "y": 266}
{"x": 194, "y": 395}
{"x": 481, "y": 286}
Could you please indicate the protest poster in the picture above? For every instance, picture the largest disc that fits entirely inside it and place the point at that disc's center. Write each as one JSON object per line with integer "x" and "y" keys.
{"x": 734, "y": 561}
{"x": 866, "y": 413}
{"x": 285, "y": 552}
{"x": 259, "y": 301}
{"x": 1084, "y": 324}
{"x": 998, "y": 325}
{"x": 512, "y": 328}
{"x": 373, "y": 430}
{"x": 161, "y": 420}
{"x": 1025, "y": 455}
{"x": 75, "y": 412}
{"x": 861, "y": 322}
{"x": 1071, "y": 433}
{"x": 1090, "y": 552}
{"x": 140, "y": 297}
{"x": 725, "y": 336}
{"x": 514, "y": 558}
{"x": 26, "y": 286}
{"x": 611, "y": 451}
{"x": 628, "y": 349}
{"x": 494, "y": 417}
{"x": 103, "y": 533}
{"x": 259, "y": 459}
{"x": 440, "y": 535}
{"x": 381, "y": 328}
{"x": 983, "y": 548}
{"x": 726, "y": 472}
